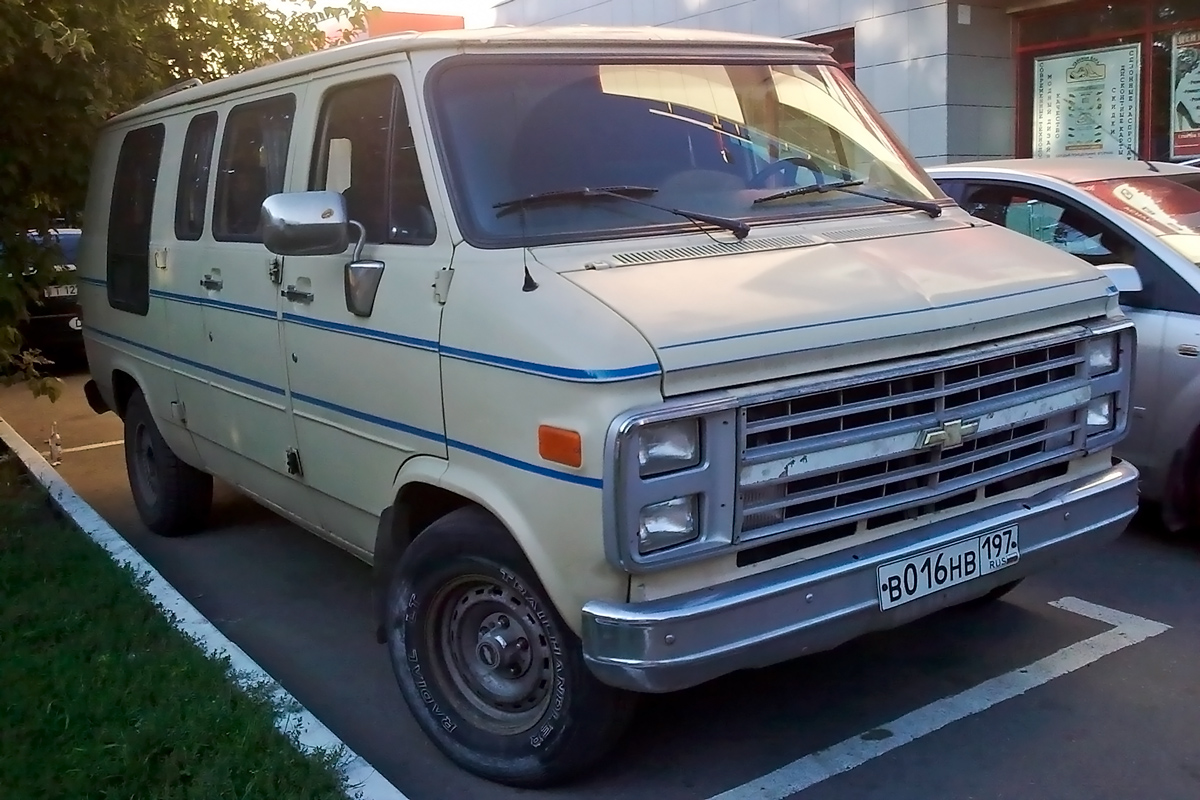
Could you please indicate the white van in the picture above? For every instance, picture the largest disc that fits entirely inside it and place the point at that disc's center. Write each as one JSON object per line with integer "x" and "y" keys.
{"x": 629, "y": 358}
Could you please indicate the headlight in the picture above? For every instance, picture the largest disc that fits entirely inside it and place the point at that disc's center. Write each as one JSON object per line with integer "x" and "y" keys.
{"x": 668, "y": 524}
{"x": 1101, "y": 414}
{"x": 1101, "y": 354}
{"x": 668, "y": 447}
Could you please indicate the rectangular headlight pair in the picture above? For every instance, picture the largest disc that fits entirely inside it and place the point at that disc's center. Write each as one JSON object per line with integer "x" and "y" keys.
{"x": 1103, "y": 358}
{"x": 673, "y": 473}
{"x": 665, "y": 448}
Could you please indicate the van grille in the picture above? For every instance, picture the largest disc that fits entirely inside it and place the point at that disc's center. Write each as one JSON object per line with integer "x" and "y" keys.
{"x": 826, "y": 465}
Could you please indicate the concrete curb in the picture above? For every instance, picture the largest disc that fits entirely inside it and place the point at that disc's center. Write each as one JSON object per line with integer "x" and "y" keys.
{"x": 362, "y": 780}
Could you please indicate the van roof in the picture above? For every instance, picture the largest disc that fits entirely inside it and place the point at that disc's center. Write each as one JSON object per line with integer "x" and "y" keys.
{"x": 453, "y": 40}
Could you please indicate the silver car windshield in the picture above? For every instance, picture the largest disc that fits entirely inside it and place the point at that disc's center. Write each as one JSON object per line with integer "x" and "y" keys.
{"x": 708, "y": 138}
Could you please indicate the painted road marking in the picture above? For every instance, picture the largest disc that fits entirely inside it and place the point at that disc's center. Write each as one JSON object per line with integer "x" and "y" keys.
{"x": 362, "y": 780}
{"x": 82, "y": 447}
{"x": 854, "y": 752}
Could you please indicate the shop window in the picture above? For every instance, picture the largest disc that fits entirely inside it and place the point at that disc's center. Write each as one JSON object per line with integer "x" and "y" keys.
{"x": 1110, "y": 79}
{"x": 1176, "y": 11}
{"x": 1072, "y": 24}
{"x": 842, "y": 43}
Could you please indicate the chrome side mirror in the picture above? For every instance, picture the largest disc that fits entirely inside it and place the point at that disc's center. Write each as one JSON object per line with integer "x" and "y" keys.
{"x": 1124, "y": 276}
{"x": 305, "y": 224}
{"x": 362, "y": 278}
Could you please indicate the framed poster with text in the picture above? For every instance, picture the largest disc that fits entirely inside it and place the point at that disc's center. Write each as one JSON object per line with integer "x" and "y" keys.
{"x": 1185, "y": 94}
{"x": 1088, "y": 103}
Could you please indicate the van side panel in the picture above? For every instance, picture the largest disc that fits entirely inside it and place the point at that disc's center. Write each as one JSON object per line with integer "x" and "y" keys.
{"x": 186, "y": 334}
{"x": 512, "y": 361}
{"x": 365, "y": 388}
{"x": 120, "y": 340}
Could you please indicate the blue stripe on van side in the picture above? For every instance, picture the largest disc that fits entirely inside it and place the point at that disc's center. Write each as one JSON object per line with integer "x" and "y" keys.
{"x": 508, "y": 461}
{"x": 475, "y": 356}
{"x": 374, "y": 420}
{"x": 566, "y": 373}
{"x": 266, "y": 387}
{"x": 362, "y": 333}
{"x": 238, "y": 308}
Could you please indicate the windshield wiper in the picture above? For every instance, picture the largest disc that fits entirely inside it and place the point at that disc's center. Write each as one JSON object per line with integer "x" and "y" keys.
{"x": 738, "y": 228}
{"x": 820, "y": 187}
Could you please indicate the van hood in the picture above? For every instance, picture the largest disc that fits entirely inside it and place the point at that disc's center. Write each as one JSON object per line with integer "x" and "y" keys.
{"x": 727, "y": 320}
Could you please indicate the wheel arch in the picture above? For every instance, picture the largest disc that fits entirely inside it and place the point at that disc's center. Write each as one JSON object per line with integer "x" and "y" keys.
{"x": 123, "y": 387}
{"x": 448, "y": 487}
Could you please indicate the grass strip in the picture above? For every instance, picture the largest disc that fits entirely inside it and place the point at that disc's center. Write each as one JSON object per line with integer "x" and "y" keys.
{"x": 100, "y": 697}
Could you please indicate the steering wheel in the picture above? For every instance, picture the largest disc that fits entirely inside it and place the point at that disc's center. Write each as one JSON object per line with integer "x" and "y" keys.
{"x": 760, "y": 179}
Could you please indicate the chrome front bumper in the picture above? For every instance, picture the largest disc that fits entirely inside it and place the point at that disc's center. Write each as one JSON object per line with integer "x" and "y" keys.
{"x": 685, "y": 640}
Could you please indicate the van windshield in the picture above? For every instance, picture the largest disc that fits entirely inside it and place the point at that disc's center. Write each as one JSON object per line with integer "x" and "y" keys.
{"x": 708, "y": 138}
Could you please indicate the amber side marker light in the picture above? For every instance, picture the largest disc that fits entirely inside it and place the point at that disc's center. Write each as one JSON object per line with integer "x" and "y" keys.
{"x": 560, "y": 445}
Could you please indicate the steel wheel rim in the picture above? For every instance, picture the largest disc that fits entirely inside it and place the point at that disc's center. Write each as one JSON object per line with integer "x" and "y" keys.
{"x": 147, "y": 463}
{"x": 492, "y": 653}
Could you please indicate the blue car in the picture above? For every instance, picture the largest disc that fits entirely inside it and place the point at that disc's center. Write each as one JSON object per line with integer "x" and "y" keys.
{"x": 54, "y": 325}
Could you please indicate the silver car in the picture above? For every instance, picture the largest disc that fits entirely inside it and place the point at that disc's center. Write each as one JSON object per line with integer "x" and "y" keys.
{"x": 1113, "y": 212}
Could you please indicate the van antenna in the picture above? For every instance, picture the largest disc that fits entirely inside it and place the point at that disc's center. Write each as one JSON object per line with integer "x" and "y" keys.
{"x": 530, "y": 284}
{"x": 190, "y": 83}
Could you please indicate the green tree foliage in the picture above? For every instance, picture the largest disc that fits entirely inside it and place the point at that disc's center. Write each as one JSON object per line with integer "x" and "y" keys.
{"x": 66, "y": 66}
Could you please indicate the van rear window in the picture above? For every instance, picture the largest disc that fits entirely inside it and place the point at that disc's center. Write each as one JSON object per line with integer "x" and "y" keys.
{"x": 129, "y": 218}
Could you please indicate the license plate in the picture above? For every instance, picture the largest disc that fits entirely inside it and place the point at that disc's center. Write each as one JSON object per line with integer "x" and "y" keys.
{"x": 60, "y": 291}
{"x": 912, "y": 578}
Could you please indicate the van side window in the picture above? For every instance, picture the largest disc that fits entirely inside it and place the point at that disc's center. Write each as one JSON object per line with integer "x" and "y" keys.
{"x": 365, "y": 150}
{"x": 253, "y": 164}
{"x": 129, "y": 217}
{"x": 194, "y": 168}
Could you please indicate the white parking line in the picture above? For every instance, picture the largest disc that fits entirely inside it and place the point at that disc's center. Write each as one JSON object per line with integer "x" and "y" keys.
{"x": 83, "y": 447}
{"x": 854, "y": 752}
{"x": 362, "y": 780}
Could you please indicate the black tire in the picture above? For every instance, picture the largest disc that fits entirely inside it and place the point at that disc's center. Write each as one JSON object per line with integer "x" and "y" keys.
{"x": 172, "y": 498}
{"x": 463, "y": 595}
{"x": 994, "y": 594}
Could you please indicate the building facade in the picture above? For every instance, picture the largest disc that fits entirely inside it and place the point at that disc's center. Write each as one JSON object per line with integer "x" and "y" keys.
{"x": 987, "y": 79}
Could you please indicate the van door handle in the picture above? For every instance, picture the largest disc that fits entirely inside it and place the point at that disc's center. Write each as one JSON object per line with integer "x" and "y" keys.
{"x": 297, "y": 296}
{"x": 211, "y": 283}
{"x": 1190, "y": 350}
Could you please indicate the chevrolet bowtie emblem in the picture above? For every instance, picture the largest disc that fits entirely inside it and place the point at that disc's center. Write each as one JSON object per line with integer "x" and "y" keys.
{"x": 950, "y": 434}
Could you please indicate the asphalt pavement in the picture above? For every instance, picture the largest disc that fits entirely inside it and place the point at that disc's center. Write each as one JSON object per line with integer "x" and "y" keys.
{"x": 1118, "y": 722}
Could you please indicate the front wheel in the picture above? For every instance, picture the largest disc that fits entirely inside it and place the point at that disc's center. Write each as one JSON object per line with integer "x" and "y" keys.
{"x": 486, "y": 665}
